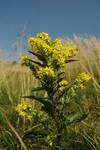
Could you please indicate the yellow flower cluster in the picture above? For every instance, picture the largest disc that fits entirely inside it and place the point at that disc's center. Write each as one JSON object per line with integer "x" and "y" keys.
{"x": 80, "y": 82}
{"x": 63, "y": 83}
{"x": 24, "y": 60}
{"x": 24, "y": 109}
{"x": 62, "y": 52}
{"x": 57, "y": 45}
{"x": 39, "y": 45}
{"x": 46, "y": 49}
{"x": 57, "y": 56}
{"x": 35, "y": 43}
{"x": 47, "y": 71}
{"x": 84, "y": 77}
{"x": 70, "y": 50}
{"x": 44, "y": 36}
{"x": 55, "y": 51}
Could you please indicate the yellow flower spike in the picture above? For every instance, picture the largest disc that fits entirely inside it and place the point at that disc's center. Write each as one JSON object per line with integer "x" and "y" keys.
{"x": 84, "y": 77}
{"x": 34, "y": 43}
{"x": 47, "y": 71}
{"x": 39, "y": 45}
{"x": 23, "y": 109}
{"x": 57, "y": 45}
{"x": 24, "y": 60}
{"x": 57, "y": 55}
{"x": 44, "y": 36}
{"x": 70, "y": 50}
{"x": 46, "y": 49}
{"x": 63, "y": 83}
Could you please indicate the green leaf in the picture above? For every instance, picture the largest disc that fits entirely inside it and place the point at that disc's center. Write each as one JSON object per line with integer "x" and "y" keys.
{"x": 35, "y": 134}
{"x": 39, "y": 56}
{"x": 77, "y": 118}
{"x": 48, "y": 108}
{"x": 37, "y": 63}
{"x": 70, "y": 60}
{"x": 37, "y": 98}
{"x": 38, "y": 89}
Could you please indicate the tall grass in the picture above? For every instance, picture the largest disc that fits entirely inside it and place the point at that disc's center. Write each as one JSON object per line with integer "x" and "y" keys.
{"x": 89, "y": 61}
{"x": 16, "y": 81}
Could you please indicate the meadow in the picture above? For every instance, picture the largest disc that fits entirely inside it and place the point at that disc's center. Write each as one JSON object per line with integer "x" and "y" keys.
{"x": 17, "y": 80}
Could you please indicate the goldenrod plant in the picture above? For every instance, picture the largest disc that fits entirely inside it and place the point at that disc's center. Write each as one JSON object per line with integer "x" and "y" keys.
{"x": 47, "y": 62}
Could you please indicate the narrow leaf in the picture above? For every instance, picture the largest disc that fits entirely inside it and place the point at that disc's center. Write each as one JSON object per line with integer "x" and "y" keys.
{"x": 70, "y": 60}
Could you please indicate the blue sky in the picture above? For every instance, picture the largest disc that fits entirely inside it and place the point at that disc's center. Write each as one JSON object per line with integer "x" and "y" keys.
{"x": 60, "y": 18}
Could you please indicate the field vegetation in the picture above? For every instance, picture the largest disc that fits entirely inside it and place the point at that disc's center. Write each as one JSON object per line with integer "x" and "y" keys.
{"x": 17, "y": 81}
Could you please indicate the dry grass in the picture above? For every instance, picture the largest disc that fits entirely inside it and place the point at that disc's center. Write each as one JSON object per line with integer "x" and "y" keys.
{"x": 15, "y": 81}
